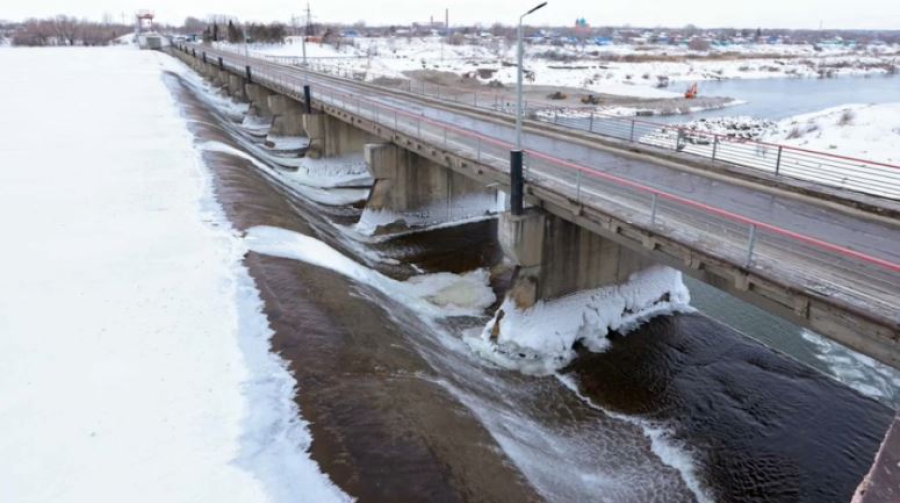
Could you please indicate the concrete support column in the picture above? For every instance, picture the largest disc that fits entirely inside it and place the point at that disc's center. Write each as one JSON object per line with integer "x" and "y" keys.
{"x": 405, "y": 181}
{"x": 288, "y": 116}
{"x": 555, "y": 257}
{"x": 259, "y": 100}
{"x": 419, "y": 191}
{"x": 236, "y": 87}
{"x": 221, "y": 78}
{"x": 330, "y": 137}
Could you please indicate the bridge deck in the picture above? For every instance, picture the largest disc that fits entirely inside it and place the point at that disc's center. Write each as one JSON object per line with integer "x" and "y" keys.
{"x": 846, "y": 255}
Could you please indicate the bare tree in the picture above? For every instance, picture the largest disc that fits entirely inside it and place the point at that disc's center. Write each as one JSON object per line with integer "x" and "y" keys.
{"x": 68, "y": 31}
{"x": 193, "y": 25}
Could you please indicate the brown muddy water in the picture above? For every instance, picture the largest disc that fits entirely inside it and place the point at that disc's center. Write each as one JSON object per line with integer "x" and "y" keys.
{"x": 684, "y": 409}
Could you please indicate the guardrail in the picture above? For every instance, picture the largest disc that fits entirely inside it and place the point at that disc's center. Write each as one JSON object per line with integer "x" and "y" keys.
{"x": 859, "y": 175}
{"x": 863, "y": 283}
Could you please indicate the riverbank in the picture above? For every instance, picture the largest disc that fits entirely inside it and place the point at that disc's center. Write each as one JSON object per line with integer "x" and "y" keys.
{"x": 870, "y": 132}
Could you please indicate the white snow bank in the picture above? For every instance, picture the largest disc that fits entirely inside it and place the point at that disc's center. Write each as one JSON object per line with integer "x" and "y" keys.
{"x": 841, "y": 146}
{"x": 287, "y": 142}
{"x": 348, "y": 170}
{"x": 252, "y": 123}
{"x": 869, "y": 132}
{"x": 434, "y": 295}
{"x": 540, "y": 340}
{"x": 134, "y": 356}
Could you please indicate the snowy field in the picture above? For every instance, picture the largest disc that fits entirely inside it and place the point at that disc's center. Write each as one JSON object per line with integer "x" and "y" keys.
{"x": 134, "y": 356}
{"x": 865, "y": 131}
{"x": 854, "y": 130}
{"x": 598, "y": 69}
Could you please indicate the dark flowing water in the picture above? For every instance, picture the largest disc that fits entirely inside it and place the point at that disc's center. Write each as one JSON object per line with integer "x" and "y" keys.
{"x": 683, "y": 409}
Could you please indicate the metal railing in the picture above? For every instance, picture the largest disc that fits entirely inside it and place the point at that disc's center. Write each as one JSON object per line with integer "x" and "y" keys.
{"x": 862, "y": 282}
{"x": 859, "y": 175}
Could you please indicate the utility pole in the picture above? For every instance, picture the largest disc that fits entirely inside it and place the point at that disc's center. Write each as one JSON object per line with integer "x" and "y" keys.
{"x": 516, "y": 178}
{"x": 307, "y": 31}
{"x": 446, "y": 30}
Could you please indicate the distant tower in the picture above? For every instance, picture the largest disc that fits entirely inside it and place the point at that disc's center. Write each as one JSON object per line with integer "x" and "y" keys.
{"x": 143, "y": 21}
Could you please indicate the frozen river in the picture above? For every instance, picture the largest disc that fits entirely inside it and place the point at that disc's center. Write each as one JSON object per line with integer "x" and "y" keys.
{"x": 781, "y": 98}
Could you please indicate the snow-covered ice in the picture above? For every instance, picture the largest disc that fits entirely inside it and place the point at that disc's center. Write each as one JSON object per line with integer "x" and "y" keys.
{"x": 541, "y": 339}
{"x": 307, "y": 186}
{"x": 459, "y": 209}
{"x": 287, "y": 142}
{"x": 433, "y": 295}
{"x": 134, "y": 356}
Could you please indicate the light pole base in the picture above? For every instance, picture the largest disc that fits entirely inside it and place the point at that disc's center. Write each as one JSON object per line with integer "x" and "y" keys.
{"x": 307, "y": 98}
{"x": 516, "y": 182}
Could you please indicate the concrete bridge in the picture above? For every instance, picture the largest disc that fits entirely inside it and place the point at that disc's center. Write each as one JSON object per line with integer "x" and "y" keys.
{"x": 601, "y": 209}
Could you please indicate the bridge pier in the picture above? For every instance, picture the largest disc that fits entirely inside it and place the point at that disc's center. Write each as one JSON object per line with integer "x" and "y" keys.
{"x": 218, "y": 77}
{"x": 209, "y": 70}
{"x": 412, "y": 191}
{"x": 570, "y": 286}
{"x": 332, "y": 137}
{"x": 554, "y": 257}
{"x": 236, "y": 87}
{"x": 259, "y": 100}
{"x": 288, "y": 115}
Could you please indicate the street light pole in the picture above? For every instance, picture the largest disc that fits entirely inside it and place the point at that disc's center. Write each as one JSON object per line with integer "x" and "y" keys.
{"x": 246, "y": 49}
{"x": 517, "y": 181}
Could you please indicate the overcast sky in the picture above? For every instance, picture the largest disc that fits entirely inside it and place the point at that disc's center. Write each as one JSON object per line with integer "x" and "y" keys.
{"x": 874, "y": 14}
